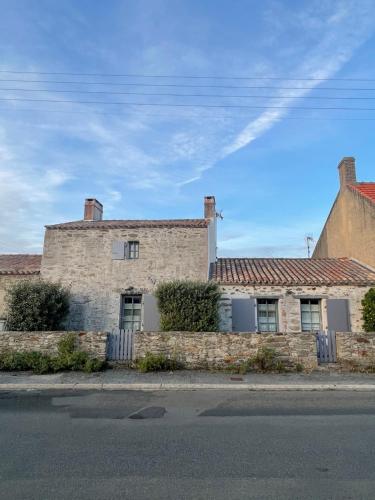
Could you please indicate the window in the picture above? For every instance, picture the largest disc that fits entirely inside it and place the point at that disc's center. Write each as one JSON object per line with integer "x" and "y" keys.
{"x": 267, "y": 315}
{"x": 310, "y": 315}
{"x": 131, "y": 311}
{"x": 133, "y": 249}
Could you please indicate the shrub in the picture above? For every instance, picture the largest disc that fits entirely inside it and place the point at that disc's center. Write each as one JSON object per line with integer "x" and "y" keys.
{"x": 265, "y": 359}
{"x": 368, "y": 314}
{"x": 36, "y": 305}
{"x": 158, "y": 362}
{"x": 68, "y": 358}
{"x": 188, "y": 306}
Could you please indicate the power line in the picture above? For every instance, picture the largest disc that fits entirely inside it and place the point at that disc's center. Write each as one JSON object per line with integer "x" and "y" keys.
{"x": 203, "y": 77}
{"x": 244, "y": 106}
{"x": 179, "y": 85}
{"x": 169, "y": 115}
{"x": 168, "y": 94}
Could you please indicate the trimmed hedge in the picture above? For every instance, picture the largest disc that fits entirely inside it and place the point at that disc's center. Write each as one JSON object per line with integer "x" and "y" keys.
{"x": 188, "y": 306}
{"x": 368, "y": 304}
{"x": 36, "y": 306}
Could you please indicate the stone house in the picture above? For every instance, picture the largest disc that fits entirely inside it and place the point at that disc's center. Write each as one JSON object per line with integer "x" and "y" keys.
{"x": 113, "y": 266}
{"x": 350, "y": 227}
{"x": 14, "y": 268}
{"x": 292, "y": 295}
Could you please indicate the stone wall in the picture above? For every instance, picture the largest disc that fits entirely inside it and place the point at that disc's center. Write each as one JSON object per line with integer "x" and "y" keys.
{"x": 94, "y": 343}
{"x": 82, "y": 260}
{"x": 214, "y": 349}
{"x": 355, "y": 348}
{"x": 349, "y": 230}
{"x": 289, "y": 302}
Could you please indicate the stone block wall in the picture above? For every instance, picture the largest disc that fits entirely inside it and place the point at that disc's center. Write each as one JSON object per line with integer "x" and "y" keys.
{"x": 217, "y": 349}
{"x": 82, "y": 260}
{"x": 289, "y": 312}
{"x": 94, "y": 343}
{"x": 356, "y": 348}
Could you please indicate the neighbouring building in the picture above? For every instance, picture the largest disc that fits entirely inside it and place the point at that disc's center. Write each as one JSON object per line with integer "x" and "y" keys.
{"x": 113, "y": 266}
{"x": 292, "y": 295}
{"x": 350, "y": 227}
{"x": 14, "y": 268}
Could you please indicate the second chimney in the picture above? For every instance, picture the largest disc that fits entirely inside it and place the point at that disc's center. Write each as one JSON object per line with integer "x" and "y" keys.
{"x": 347, "y": 171}
{"x": 93, "y": 209}
{"x": 209, "y": 207}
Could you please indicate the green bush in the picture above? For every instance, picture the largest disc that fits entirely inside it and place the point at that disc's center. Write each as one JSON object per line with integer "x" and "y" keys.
{"x": 265, "y": 360}
{"x": 68, "y": 358}
{"x": 36, "y": 306}
{"x": 158, "y": 362}
{"x": 368, "y": 314}
{"x": 188, "y": 306}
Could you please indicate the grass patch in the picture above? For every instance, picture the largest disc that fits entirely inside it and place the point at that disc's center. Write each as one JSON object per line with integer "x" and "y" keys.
{"x": 158, "y": 362}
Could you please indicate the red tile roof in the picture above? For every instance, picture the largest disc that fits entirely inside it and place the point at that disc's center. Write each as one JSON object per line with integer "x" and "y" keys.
{"x": 130, "y": 224}
{"x": 340, "y": 271}
{"x": 17, "y": 264}
{"x": 366, "y": 189}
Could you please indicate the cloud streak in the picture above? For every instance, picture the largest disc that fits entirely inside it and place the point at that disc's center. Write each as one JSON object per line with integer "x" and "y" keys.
{"x": 336, "y": 48}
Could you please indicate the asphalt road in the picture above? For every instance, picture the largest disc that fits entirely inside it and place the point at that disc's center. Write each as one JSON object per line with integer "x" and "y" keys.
{"x": 187, "y": 445}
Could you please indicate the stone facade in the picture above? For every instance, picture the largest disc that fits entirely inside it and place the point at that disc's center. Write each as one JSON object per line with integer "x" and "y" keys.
{"x": 82, "y": 260}
{"x": 5, "y": 283}
{"x": 218, "y": 349}
{"x": 356, "y": 348}
{"x": 289, "y": 313}
{"x": 94, "y": 343}
{"x": 350, "y": 227}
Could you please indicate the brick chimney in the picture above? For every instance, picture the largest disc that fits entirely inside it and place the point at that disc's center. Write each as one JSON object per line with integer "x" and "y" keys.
{"x": 347, "y": 171}
{"x": 210, "y": 213}
{"x": 93, "y": 209}
{"x": 209, "y": 207}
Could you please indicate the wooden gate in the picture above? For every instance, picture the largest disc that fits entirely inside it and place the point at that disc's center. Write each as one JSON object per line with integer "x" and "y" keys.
{"x": 326, "y": 346}
{"x": 120, "y": 345}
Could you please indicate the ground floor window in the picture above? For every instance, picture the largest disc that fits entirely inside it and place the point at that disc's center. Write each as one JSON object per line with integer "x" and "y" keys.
{"x": 131, "y": 312}
{"x": 310, "y": 315}
{"x": 267, "y": 315}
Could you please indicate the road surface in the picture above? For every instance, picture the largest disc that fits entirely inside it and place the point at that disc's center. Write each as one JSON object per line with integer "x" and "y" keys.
{"x": 187, "y": 445}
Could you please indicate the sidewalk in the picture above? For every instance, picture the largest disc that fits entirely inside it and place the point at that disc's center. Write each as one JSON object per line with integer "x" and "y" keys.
{"x": 187, "y": 380}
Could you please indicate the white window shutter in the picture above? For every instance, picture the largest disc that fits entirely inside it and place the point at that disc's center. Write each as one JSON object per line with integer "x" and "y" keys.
{"x": 118, "y": 250}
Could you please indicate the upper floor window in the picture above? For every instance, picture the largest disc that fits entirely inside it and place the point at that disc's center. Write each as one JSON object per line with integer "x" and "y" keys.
{"x": 133, "y": 247}
{"x": 310, "y": 315}
{"x": 267, "y": 315}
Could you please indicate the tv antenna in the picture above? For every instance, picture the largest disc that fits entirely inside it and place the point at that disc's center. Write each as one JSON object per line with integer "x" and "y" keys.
{"x": 309, "y": 242}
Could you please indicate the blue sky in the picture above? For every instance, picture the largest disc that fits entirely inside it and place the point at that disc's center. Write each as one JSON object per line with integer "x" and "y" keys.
{"x": 272, "y": 170}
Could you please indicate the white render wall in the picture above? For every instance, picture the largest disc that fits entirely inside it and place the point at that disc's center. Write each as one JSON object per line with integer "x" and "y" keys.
{"x": 82, "y": 260}
{"x": 289, "y": 303}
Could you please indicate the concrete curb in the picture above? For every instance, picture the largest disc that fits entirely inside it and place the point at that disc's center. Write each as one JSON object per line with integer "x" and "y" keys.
{"x": 187, "y": 387}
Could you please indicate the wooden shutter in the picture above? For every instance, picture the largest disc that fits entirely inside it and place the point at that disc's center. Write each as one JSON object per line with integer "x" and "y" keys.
{"x": 127, "y": 249}
{"x": 244, "y": 314}
{"x": 118, "y": 250}
{"x": 151, "y": 315}
{"x": 338, "y": 317}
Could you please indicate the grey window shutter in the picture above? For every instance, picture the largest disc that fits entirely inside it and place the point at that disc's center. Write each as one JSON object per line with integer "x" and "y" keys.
{"x": 151, "y": 315}
{"x": 244, "y": 314}
{"x": 338, "y": 317}
{"x": 118, "y": 252}
{"x": 127, "y": 249}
